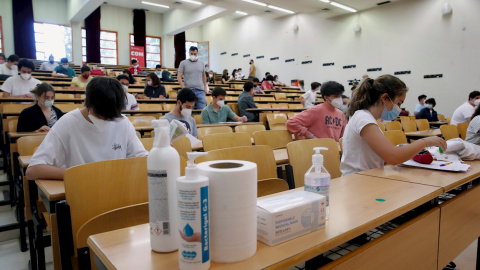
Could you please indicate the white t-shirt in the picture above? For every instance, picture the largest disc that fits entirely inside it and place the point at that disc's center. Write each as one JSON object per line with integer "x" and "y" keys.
{"x": 357, "y": 155}
{"x": 310, "y": 98}
{"x": 48, "y": 66}
{"x": 461, "y": 113}
{"x": 74, "y": 141}
{"x": 131, "y": 104}
{"x": 15, "y": 85}
{"x": 419, "y": 107}
{"x": 7, "y": 71}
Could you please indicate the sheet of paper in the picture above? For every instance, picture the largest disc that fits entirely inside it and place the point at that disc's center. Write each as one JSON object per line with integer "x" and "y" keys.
{"x": 435, "y": 165}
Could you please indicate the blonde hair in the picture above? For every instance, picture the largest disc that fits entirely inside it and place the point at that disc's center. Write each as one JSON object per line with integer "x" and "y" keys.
{"x": 41, "y": 89}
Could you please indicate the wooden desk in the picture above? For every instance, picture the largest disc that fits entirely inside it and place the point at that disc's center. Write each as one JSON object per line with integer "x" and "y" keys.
{"x": 437, "y": 123}
{"x": 12, "y": 99}
{"x": 353, "y": 211}
{"x": 260, "y": 110}
{"x": 24, "y": 161}
{"x": 231, "y": 124}
{"x": 281, "y": 156}
{"x": 16, "y": 135}
{"x": 423, "y": 134}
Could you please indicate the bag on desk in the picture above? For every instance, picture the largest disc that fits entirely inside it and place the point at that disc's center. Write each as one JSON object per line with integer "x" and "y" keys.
{"x": 423, "y": 157}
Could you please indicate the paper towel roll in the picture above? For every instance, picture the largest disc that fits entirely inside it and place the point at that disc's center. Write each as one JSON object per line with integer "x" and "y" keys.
{"x": 233, "y": 209}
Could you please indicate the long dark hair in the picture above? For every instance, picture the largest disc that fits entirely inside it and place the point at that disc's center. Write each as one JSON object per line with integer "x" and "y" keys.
{"x": 154, "y": 78}
{"x": 477, "y": 112}
{"x": 131, "y": 80}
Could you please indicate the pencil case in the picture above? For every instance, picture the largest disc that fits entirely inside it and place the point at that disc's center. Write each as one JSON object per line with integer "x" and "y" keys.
{"x": 423, "y": 157}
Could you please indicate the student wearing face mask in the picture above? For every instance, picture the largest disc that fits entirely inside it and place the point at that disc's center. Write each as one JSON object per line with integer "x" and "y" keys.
{"x": 158, "y": 71}
{"x": 80, "y": 82}
{"x": 3, "y": 58}
{"x": 153, "y": 89}
{"x": 135, "y": 68}
{"x": 191, "y": 74}
{"x": 19, "y": 86}
{"x": 239, "y": 75}
{"x": 167, "y": 76}
{"x": 217, "y": 111}
{"x": 276, "y": 81}
{"x": 428, "y": 112}
{"x": 365, "y": 146}
{"x": 345, "y": 101}
{"x": 130, "y": 100}
{"x": 268, "y": 83}
{"x": 323, "y": 120}
{"x": 210, "y": 77}
{"x": 182, "y": 112}
{"x": 256, "y": 86}
{"x": 43, "y": 115}
{"x": 308, "y": 99}
{"x": 95, "y": 133}
{"x": 10, "y": 67}
{"x": 245, "y": 101}
{"x": 131, "y": 79}
{"x": 50, "y": 65}
{"x": 225, "y": 77}
{"x": 464, "y": 113}
{"x": 64, "y": 70}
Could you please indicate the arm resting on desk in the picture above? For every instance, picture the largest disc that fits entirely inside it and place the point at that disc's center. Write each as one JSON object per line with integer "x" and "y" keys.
{"x": 45, "y": 172}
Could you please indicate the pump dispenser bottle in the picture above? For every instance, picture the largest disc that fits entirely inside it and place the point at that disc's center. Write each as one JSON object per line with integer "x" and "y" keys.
{"x": 193, "y": 218}
{"x": 163, "y": 166}
{"x": 317, "y": 178}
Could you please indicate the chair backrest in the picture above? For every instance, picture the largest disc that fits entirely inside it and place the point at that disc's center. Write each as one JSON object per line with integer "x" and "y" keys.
{"x": 168, "y": 106}
{"x": 264, "y": 105}
{"x": 448, "y": 120}
{"x": 292, "y": 114}
{"x": 198, "y": 119}
{"x": 295, "y": 105}
{"x": 61, "y": 95}
{"x": 441, "y": 117}
{"x": 147, "y": 143}
{"x": 12, "y": 124}
{"x": 182, "y": 145}
{"x": 279, "y": 105}
{"x": 15, "y": 108}
{"x": 271, "y": 186}
{"x": 300, "y": 157}
{"x": 225, "y": 140}
{"x": 273, "y": 138}
{"x": 141, "y": 121}
{"x": 381, "y": 125}
{"x": 412, "y": 117}
{"x": 409, "y": 125}
{"x": 149, "y": 107}
{"x": 234, "y": 107}
{"x": 267, "y": 98}
{"x": 396, "y": 137}
{"x": 262, "y": 155}
{"x": 462, "y": 130}
{"x": 280, "y": 96}
{"x": 26, "y": 145}
{"x": 172, "y": 94}
{"x": 404, "y": 118}
{"x": 449, "y": 132}
{"x": 250, "y": 129}
{"x": 277, "y": 121}
{"x": 67, "y": 107}
{"x": 213, "y": 130}
{"x": 422, "y": 124}
{"x": 393, "y": 125}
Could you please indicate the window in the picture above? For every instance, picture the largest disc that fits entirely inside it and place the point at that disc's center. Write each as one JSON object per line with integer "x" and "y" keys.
{"x": 108, "y": 47}
{"x": 154, "y": 50}
{"x": 189, "y": 44}
{"x": 52, "y": 39}
{"x": 1, "y": 36}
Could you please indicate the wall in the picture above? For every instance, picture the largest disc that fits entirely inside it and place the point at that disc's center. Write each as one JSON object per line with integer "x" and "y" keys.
{"x": 50, "y": 11}
{"x": 406, "y": 35}
{"x": 7, "y": 25}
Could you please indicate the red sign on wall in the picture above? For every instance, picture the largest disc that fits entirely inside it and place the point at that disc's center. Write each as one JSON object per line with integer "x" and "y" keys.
{"x": 138, "y": 52}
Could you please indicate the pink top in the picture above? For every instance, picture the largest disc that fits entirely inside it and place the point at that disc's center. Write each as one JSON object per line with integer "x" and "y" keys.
{"x": 321, "y": 120}
{"x": 266, "y": 85}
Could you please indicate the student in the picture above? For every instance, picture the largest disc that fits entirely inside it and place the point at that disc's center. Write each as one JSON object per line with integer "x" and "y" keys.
{"x": 158, "y": 71}
{"x": 473, "y": 130}
{"x": 130, "y": 100}
{"x": 239, "y": 75}
{"x": 234, "y": 75}
{"x": 43, "y": 115}
{"x": 167, "y": 76}
{"x": 3, "y": 58}
{"x": 276, "y": 81}
{"x": 345, "y": 101}
{"x": 266, "y": 75}
{"x": 50, "y": 65}
{"x": 252, "y": 71}
{"x": 268, "y": 83}
{"x": 95, "y": 133}
{"x": 192, "y": 71}
{"x": 464, "y": 113}
{"x": 80, "y": 83}
{"x": 10, "y": 67}
{"x": 64, "y": 70}
{"x": 225, "y": 77}
{"x": 428, "y": 112}
{"x": 323, "y": 120}
{"x": 19, "y": 86}
{"x": 364, "y": 145}
{"x": 301, "y": 85}
{"x": 217, "y": 112}
{"x": 131, "y": 79}
{"x": 308, "y": 99}
{"x": 421, "y": 104}
{"x": 182, "y": 112}
{"x": 256, "y": 87}
{"x": 245, "y": 101}
{"x": 135, "y": 68}
{"x": 153, "y": 88}
{"x": 210, "y": 77}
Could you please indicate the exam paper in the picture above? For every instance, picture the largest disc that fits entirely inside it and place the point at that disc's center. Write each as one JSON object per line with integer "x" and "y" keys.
{"x": 435, "y": 165}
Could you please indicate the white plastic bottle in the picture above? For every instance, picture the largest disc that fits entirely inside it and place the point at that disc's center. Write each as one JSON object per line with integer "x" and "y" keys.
{"x": 317, "y": 178}
{"x": 193, "y": 218}
{"x": 163, "y": 165}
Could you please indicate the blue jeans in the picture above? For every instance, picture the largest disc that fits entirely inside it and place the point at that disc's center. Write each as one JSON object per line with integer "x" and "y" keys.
{"x": 202, "y": 100}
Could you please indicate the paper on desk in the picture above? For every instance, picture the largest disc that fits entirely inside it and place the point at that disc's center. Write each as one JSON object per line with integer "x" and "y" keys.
{"x": 435, "y": 165}
{"x": 193, "y": 141}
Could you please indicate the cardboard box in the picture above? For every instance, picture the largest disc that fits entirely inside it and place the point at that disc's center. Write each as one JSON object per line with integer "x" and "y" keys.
{"x": 286, "y": 216}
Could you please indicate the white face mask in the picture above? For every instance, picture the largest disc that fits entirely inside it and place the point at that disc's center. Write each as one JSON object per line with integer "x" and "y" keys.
{"x": 125, "y": 88}
{"x": 186, "y": 112}
{"x": 13, "y": 67}
{"x": 48, "y": 103}
{"x": 477, "y": 102}
{"x": 210, "y": 75}
{"x": 149, "y": 83}
{"x": 26, "y": 76}
{"x": 135, "y": 66}
{"x": 337, "y": 102}
{"x": 97, "y": 122}
{"x": 193, "y": 57}
{"x": 270, "y": 82}
{"x": 221, "y": 103}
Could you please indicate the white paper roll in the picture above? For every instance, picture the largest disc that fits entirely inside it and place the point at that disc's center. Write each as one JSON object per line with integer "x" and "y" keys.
{"x": 233, "y": 209}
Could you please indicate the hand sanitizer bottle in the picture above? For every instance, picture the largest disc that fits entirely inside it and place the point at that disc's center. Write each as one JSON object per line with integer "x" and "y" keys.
{"x": 317, "y": 178}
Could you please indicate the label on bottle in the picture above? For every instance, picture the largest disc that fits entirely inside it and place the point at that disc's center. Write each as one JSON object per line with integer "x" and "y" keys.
{"x": 318, "y": 183}
{"x": 158, "y": 202}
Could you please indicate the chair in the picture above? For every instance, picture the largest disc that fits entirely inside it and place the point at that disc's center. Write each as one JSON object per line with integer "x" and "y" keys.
{"x": 262, "y": 155}
{"x": 462, "y": 130}
{"x": 448, "y": 120}
{"x": 280, "y": 96}
{"x": 292, "y": 114}
{"x": 172, "y": 94}
{"x": 271, "y": 186}
{"x": 295, "y": 106}
{"x": 404, "y": 118}
{"x": 182, "y": 146}
{"x": 12, "y": 124}
{"x": 422, "y": 124}
{"x": 409, "y": 126}
{"x": 300, "y": 157}
{"x": 449, "y": 132}
{"x": 273, "y": 138}
{"x": 381, "y": 126}
{"x": 67, "y": 107}
{"x": 15, "y": 108}
{"x": 148, "y": 107}
{"x": 198, "y": 119}
{"x": 277, "y": 121}
{"x": 168, "y": 106}
{"x": 267, "y": 98}
{"x": 396, "y": 137}
{"x": 60, "y": 95}
{"x": 138, "y": 134}
{"x": 234, "y": 107}
{"x": 213, "y": 130}
{"x": 441, "y": 117}
{"x": 279, "y": 106}
{"x": 393, "y": 125}
{"x": 141, "y": 121}
{"x": 26, "y": 145}
{"x": 225, "y": 140}
{"x": 412, "y": 117}
{"x": 264, "y": 105}
{"x": 147, "y": 143}
{"x": 250, "y": 129}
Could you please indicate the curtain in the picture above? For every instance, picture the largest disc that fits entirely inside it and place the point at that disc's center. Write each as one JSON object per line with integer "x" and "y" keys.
{"x": 179, "y": 43}
{"x": 92, "y": 28}
{"x": 139, "y": 32}
{"x": 23, "y": 32}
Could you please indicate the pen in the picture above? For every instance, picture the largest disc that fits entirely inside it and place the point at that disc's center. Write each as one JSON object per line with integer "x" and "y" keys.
{"x": 448, "y": 163}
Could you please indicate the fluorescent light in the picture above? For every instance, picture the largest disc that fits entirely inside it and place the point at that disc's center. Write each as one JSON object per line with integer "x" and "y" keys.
{"x": 192, "y": 2}
{"x": 241, "y": 12}
{"x": 153, "y": 4}
{"x": 255, "y": 2}
{"x": 281, "y": 9}
{"x": 325, "y": 1}
{"x": 344, "y": 7}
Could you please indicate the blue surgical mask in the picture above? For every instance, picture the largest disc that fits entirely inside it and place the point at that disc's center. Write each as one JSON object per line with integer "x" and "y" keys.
{"x": 390, "y": 115}
{"x": 48, "y": 103}
{"x": 343, "y": 108}
{"x": 428, "y": 106}
{"x": 65, "y": 66}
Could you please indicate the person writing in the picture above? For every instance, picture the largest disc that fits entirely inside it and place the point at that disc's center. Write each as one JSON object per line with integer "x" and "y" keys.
{"x": 268, "y": 83}
{"x": 245, "y": 101}
{"x": 225, "y": 77}
{"x": 10, "y": 67}
{"x": 80, "y": 83}
{"x": 217, "y": 112}
{"x": 153, "y": 89}
{"x": 19, "y": 86}
{"x": 64, "y": 70}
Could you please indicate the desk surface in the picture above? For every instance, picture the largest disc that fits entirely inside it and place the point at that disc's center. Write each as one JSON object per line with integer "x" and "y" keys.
{"x": 16, "y": 135}
{"x": 276, "y": 109}
{"x": 353, "y": 210}
{"x": 231, "y": 124}
{"x": 425, "y": 133}
{"x": 24, "y": 161}
{"x": 54, "y": 190}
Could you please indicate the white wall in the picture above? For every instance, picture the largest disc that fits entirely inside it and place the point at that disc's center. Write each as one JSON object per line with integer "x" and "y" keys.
{"x": 50, "y": 11}
{"x": 7, "y": 25}
{"x": 407, "y": 35}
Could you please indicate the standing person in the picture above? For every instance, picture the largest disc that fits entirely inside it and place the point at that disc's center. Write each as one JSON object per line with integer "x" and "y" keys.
{"x": 10, "y": 67}
{"x": 50, "y": 65}
{"x": 245, "y": 101}
{"x": 252, "y": 71}
{"x": 191, "y": 74}
{"x": 19, "y": 86}
{"x": 130, "y": 100}
{"x": 308, "y": 99}
{"x": 464, "y": 113}
{"x": 182, "y": 112}
{"x": 324, "y": 120}
{"x": 64, "y": 70}
{"x": 365, "y": 147}
{"x": 135, "y": 68}
{"x": 421, "y": 104}
{"x": 153, "y": 88}
{"x": 80, "y": 83}
{"x": 217, "y": 112}
{"x": 428, "y": 112}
